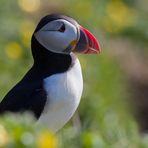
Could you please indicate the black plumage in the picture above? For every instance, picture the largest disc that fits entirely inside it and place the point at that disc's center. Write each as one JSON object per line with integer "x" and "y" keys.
{"x": 29, "y": 93}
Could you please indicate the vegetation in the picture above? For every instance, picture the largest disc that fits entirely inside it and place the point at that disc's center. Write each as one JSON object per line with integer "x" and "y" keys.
{"x": 104, "y": 118}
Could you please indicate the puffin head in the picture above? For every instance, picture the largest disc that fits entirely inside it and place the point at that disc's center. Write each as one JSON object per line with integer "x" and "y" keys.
{"x": 62, "y": 34}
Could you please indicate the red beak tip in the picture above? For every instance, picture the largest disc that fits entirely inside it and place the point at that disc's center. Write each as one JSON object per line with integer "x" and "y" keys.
{"x": 93, "y": 44}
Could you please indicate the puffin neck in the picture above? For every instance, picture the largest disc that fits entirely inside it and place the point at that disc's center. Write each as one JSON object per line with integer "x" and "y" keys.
{"x": 48, "y": 61}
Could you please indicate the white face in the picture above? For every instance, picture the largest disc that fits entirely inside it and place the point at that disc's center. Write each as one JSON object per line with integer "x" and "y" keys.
{"x": 57, "y": 35}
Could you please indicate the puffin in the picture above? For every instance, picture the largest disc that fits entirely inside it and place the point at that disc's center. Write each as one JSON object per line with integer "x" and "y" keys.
{"x": 53, "y": 86}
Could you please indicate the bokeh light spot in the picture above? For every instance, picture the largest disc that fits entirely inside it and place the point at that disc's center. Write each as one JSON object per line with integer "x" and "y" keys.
{"x": 3, "y": 137}
{"x": 119, "y": 16}
{"x": 13, "y": 50}
{"x": 47, "y": 140}
{"x": 29, "y": 5}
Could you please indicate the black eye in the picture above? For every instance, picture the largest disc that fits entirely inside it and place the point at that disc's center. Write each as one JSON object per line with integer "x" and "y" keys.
{"x": 62, "y": 28}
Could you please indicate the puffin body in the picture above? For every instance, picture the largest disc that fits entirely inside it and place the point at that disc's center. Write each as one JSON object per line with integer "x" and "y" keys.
{"x": 63, "y": 96}
{"x": 52, "y": 88}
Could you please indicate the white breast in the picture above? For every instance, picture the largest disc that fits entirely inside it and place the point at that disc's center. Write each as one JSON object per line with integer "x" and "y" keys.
{"x": 64, "y": 92}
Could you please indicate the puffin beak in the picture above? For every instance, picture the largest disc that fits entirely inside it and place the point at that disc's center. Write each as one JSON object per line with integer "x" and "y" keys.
{"x": 87, "y": 43}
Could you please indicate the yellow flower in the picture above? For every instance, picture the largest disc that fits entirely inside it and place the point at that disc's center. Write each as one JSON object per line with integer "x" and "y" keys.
{"x": 29, "y": 5}
{"x": 47, "y": 140}
{"x": 3, "y": 136}
{"x": 119, "y": 16}
{"x": 13, "y": 50}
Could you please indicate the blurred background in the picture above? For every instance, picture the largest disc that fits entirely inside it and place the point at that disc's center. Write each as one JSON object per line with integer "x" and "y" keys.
{"x": 114, "y": 106}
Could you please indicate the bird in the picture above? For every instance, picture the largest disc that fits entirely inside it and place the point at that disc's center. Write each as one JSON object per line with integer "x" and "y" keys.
{"x": 52, "y": 88}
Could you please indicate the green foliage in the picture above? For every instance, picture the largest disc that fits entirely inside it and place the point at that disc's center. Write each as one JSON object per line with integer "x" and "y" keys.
{"x": 21, "y": 131}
